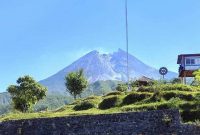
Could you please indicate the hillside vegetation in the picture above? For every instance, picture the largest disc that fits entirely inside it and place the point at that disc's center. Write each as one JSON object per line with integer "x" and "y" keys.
{"x": 157, "y": 97}
{"x": 50, "y": 102}
{"x": 55, "y": 100}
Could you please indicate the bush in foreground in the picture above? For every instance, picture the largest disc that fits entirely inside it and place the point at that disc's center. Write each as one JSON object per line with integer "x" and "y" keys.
{"x": 182, "y": 95}
{"x": 135, "y": 97}
{"x": 85, "y": 105}
{"x": 88, "y": 103}
{"x": 109, "y": 102}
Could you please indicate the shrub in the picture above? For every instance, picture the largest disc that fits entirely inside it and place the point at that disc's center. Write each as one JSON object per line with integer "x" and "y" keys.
{"x": 187, "y": 97}
{"x": 121, "y": 87}
{"x": 176, "y": 81}
{"x": 181, "y": 95}
{"x": 156, "y": 97}
{"x": 135, "y": 83}
{"x": 146, "y": 89}
{"x": 109, "y": 102}
{"x": 169, "y": 95}
{"x": 135, "y": 97}
{"x": 85, "y": 105}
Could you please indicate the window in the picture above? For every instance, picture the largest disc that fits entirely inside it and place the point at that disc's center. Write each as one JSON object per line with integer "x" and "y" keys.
{"x": 187, "y": 61}
{"x": 197, "y": 61}
{"x": 190, "y": 61}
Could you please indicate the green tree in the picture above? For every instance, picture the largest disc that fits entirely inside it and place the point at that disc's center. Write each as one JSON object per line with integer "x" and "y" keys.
{"x": 26, "y": 93}
{"x": 196, "y": 81}
{"x": 122, "y": 87}
{"x": 175, "y": 81}
{"x": 76, "y": 83}
{"x": 135, "y": 83}
{"x": 197, "y": 75}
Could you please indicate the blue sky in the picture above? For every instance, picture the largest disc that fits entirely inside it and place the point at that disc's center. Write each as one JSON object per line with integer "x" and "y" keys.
{"x": 40, "y": 37}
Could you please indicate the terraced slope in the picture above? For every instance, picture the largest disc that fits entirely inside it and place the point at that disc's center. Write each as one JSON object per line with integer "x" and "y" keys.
{"x": 158, "y": 97}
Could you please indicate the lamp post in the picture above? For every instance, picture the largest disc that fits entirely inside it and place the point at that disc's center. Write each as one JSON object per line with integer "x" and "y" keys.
{"x": 127, "y": 43}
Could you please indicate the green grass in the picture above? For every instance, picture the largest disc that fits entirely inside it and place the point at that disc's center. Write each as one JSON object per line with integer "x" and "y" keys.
{"x": 62, "y": 112}
{"x": 182, "y": 97}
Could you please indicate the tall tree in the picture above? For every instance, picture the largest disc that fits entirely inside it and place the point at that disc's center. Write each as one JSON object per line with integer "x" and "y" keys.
{"x": 76, "y": 83}
{"x": 26, "y": 93}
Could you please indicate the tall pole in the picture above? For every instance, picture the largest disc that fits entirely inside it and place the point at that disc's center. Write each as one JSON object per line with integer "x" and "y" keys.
{"x": 126, "y": 14}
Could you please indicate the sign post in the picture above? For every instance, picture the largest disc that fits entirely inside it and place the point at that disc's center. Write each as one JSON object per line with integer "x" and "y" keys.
{"x": 163, "y": 71}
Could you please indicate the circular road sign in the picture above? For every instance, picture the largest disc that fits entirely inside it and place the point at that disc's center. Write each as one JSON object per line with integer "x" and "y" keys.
{"x": 163, "y": 71}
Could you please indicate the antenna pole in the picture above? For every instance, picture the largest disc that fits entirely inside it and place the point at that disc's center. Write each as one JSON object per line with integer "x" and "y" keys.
{"x": 127, "y": 42}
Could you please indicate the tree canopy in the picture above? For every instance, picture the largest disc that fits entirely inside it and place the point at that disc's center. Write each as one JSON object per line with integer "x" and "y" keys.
{"x": 196, "y": 81}
{"x": 26, "y": 93}
{"x": 197, "y": 75}
{"x": 76, "y": 83}
{"x": 175, "y": 80}
{"x": 121, "y": 87}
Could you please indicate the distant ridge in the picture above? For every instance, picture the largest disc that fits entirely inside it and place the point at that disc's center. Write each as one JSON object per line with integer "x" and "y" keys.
{"x": 98, "y": 67}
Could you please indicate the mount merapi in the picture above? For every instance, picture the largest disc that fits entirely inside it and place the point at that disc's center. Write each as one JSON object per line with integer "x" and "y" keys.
{"x": 101, "y": 67}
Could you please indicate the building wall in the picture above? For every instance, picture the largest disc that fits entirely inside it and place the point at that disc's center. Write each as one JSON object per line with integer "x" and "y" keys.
{"x": 165, "y": 122}
{"x": 192, "y": 67}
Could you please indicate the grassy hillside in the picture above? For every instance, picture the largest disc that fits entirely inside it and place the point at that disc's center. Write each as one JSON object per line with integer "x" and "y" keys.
{"x": 51, "y": 102}
{"x": 157, "y": 97}
{"x": 57, "y": 100}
